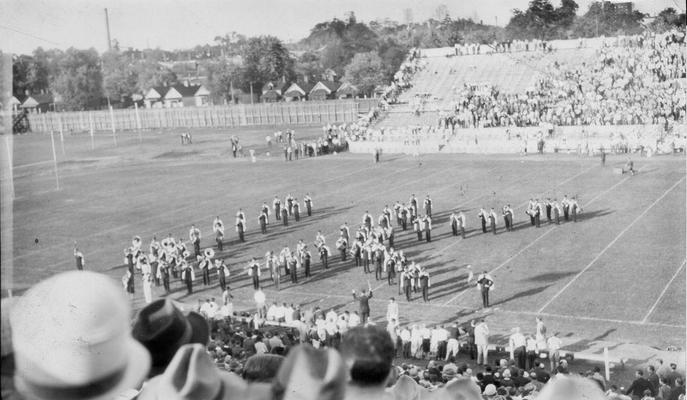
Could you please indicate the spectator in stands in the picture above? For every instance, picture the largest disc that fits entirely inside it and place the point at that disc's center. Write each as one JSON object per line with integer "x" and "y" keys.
{"x": 71, "y": 339}
{"x": 639, "y": 385}
{"x": 678, "y": 389}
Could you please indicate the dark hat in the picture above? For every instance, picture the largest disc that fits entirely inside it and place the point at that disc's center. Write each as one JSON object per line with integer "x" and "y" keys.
{"x": 162, "y": 328}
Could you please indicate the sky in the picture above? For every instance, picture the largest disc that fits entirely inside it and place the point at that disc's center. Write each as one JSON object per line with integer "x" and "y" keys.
{"x": 179, "y": 24}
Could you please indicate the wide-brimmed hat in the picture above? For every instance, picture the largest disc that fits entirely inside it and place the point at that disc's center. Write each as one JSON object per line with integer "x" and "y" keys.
{"x": 311, "y": 374}
{"x": 209, "y": 253}
{"x": 191, "y": 375}
{"x": 71, "y": 340}
{"x": 162, "y": 328}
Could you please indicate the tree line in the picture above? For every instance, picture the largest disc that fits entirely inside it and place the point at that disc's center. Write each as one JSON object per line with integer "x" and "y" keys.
{"x": 365, "y": 54}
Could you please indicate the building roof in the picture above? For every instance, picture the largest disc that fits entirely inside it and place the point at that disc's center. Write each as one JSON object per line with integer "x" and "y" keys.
{"x": 186, "y": 91}
{"x": 327, "y": 86}
{"x": 303, "y": 88}
{"x": 278, "y": 86}
{"x": 37, "y": 99}
{"x": 347, "y": 88}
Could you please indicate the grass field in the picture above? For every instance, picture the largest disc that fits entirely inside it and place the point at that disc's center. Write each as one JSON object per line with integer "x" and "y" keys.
{"x": 615, "y": 276}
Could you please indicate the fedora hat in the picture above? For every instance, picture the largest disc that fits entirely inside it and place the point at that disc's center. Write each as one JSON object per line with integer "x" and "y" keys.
{"x": 191, "y": 375}
{"x": 71, "y": 340}
{"x": 162, "y": 328}
{"x": 311, "y": 374}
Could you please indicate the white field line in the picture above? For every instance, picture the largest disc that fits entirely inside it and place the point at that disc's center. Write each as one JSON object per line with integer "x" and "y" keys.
{"x": 591, "y": 263}
{"x": 665, "y": 289}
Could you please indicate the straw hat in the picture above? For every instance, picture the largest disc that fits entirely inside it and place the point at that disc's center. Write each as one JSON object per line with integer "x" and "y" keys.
{"x": 71, "y": 340}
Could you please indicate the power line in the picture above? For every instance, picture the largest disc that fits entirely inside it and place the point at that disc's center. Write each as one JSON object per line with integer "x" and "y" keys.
{"x": 31, "y": 35}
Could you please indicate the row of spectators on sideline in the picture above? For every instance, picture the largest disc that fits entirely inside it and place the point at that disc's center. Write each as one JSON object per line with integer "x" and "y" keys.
{"x": 71, "y": 337}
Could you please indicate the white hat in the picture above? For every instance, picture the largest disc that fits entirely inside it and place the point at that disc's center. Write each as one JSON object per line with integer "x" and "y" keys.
{"x": 71, "y": 338}
{"x": 209, "y": 253}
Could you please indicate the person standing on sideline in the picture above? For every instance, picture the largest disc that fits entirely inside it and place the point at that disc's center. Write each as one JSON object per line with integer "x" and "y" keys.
{"x": 508, "y": 217}
{"x": 392, "y": 310}
{"x": 553, "y": 344}
{"x": 80, "y": 261}
{"x": 276, "y": 204}
{"x": 218, "y": 228}
{"x": 364, "y": 303}
{"x": 194, "y": 236}
{"x": 603, "y": 157}
{"x": 547, "y": 204}
{"x": 540, "y": 333}
{"x": 483, "y": 216}
{"x": 517, "y": 344}
{"x": 481, "y": 341}
{"x": 566, "y": 207}
{"x": 485, "y": 284}
{"x": 307, "y": 200}
{"x": 557, "y": 211}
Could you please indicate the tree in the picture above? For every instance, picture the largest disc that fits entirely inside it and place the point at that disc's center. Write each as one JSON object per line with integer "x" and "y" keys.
{"x": 668, "y": 19}
{"x": 609, "y": 20}
{"x": 119, "y": 76}
{"x": 365, "y": 71}
{"x": 265, "y": 59}
{"x": 151, "y": 73}
{"x": 222, "y": 77}
{"x": 308, "y": 64}
{"x": 80, "y": 80}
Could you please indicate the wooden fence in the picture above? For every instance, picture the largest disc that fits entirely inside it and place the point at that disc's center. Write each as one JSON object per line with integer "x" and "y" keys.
{"x": 294, "y": 113}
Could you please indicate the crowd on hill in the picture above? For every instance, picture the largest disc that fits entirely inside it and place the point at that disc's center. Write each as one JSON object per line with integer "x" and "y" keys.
{"x": 633, "y": 83}
{"x": 57, "y": 344}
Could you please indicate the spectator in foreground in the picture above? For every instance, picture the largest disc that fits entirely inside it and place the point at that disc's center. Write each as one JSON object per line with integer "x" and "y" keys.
{"x": 191, "y": 375}
{"x": 71, "y": 340}
{"x": 639, "y": 385}
{"x": 262, "y": 368}
{"x": 162, "y": 328}
{"x": 368, "y": 353}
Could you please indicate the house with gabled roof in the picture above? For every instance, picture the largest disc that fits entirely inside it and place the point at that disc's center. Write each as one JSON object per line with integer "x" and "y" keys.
{"x": 298, "y": 91}
{"x": 16, "y": 101}
{"x": 187, "y": 96}
{"x": 39, "y": 103}
{"x": 273, "y": 91}
{"x": 324, "y": 90}
{"x": 154, "y": 97}
{"x": 347, "y": 90}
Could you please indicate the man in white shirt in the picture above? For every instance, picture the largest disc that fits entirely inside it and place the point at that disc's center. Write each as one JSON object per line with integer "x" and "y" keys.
{"x": 517, "y": 345}
{"x": 442, "y": 342}
{"x": 353, "y": 320}
{"x": 405, "y": 341}
{"x": 554, "y": 344}
{"x": 272, "y": 312}
{"x": 481, "y": 341}
{"x": 280, "y": 313}
{"x": 392, "y": 310}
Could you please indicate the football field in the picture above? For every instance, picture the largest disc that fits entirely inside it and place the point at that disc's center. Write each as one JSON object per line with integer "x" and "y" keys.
{"x": 616, "y": 275}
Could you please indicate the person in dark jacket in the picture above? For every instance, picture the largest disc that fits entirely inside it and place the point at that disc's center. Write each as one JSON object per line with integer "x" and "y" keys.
{"x": 639, "y": 385}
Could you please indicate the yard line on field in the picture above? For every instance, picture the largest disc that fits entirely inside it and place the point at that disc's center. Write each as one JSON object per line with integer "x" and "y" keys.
{"x": 665, "y": 289}
{"x": 596, "y": 319}
{"x": 538, "y": 238}
{"x": 640, "y": 216}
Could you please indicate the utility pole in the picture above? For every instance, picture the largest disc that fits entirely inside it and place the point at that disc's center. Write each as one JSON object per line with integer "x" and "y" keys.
{"x": 107, "y": 26}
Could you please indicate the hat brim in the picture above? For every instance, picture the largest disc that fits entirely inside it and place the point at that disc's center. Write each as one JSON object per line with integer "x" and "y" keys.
{"x": 199, "y": 327}
{"x": 135, "y": 373}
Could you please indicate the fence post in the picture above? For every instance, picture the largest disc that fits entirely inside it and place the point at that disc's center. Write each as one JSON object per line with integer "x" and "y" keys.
{"x": 10, "y": 168}
{"x": 112, "y": 124}
{"x": 607, "y": 364}
{"x": 59, "y": 120}
{"x": 54, "y": 159}
{"x": 90, "y": 123}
